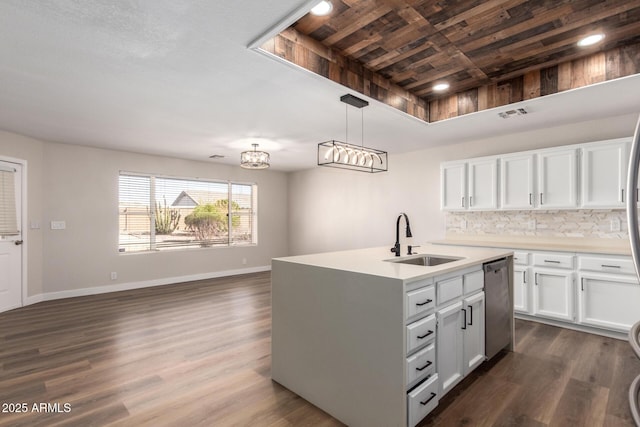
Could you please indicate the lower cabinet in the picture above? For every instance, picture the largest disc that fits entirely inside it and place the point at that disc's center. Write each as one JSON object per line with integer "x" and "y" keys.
{"x": 460, "y": 340}
{"x": 553, "y": 293}
{"x": 449, "y": 346}
{"x": 608, "y": 300}
{"x": 521, "y": 289}
{"x": 473, "y": 332}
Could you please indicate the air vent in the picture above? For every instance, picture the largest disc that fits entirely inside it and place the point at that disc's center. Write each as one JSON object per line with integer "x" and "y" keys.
{"x": 216, "y": 156}
{"x": 515, "y": 112}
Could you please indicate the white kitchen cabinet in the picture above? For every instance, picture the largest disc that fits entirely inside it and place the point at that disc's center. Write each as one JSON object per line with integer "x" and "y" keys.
{"x": 453, "y": 186}
{"x": 469, "y": 185}
{"x": 553, "y": 293}
{"x": 609, "y": 292}
{"x": 450, "y": 346}
{"x": 604, "y": 168}
{"x": 557, "y": 174}
{"x": 517, "y": 181}
{"x": 608, "y": 301}
{"x": 521, "y": 289}
{"x": 482, "y": 184}
{"x": 473, "y": 331}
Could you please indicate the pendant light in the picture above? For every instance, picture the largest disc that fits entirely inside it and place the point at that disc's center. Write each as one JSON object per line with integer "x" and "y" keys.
{"x": 343, "y": 155}
{"x": 254, "y": 159}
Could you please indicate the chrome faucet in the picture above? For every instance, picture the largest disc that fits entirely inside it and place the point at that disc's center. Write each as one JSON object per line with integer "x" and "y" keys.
{"x": 396, "y": 248}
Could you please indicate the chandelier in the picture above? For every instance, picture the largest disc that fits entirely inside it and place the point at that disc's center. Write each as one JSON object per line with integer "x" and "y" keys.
{"x": 254, "y": 159}
{"x": 344, "y": 155}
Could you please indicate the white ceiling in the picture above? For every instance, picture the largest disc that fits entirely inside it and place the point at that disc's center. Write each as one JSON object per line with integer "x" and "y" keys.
{"x": 175, "y": 78}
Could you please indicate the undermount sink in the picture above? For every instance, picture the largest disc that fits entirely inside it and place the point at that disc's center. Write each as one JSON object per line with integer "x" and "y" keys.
{"x": 425, "y": 260}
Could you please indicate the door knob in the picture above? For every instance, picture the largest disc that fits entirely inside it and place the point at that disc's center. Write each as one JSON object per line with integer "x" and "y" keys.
{"x": 17, "y": 242}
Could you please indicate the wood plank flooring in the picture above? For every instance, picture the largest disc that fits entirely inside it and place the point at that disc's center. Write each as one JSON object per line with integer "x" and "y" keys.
{"x": 198, "y": 354}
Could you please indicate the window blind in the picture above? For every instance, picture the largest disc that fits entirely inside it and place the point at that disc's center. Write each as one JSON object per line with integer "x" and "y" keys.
{"x": 8, "y": 211}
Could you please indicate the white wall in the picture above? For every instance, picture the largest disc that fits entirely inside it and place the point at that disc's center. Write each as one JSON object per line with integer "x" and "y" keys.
{"x": 333, "y": 209}
{"x": 79, "y": 185}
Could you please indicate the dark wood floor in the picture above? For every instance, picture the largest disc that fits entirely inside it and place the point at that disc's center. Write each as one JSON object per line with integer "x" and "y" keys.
{"x": 198, "y": 354}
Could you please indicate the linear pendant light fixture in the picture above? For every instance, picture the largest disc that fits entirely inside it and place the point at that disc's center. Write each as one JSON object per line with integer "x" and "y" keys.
{"x": 338, "y": 154}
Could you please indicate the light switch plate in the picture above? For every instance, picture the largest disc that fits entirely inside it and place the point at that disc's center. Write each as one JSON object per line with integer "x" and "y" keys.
{"x": 58, "y": 225}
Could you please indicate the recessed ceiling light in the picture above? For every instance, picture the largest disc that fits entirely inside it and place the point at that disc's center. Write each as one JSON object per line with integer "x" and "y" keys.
{"x": 440, "y": 87}
{"x": 592, "y": 39}
{"x": 323, "y": 8}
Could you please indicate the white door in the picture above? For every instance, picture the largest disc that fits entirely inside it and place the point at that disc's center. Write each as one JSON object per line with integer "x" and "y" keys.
{"x": 10, "y": 236}
{"x": 449, "y": 347}
{"x": 473, "y": 332}
{"x": 553, "y": 294}
{"x": 483, "y": 184}
{"x": 516, "y": 181}
{"x": 557, "y": 179}
{"x": 453, "y": 183}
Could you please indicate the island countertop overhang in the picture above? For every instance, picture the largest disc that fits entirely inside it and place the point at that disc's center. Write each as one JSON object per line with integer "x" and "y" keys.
{"x": 378, "y": 261}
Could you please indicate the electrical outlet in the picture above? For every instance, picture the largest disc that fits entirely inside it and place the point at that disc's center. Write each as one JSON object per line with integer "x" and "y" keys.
{"x": 58, "y": 225}
{"x": 244, "y": 261}
{"x": 114, "y": 275}
{"x": 615, "y": 225}
{"x": 532, "y": 224}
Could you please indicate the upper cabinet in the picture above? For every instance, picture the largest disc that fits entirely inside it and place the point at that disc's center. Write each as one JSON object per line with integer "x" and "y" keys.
{"x": 453, "y": 186}
{"x": 591, "y": 175}
{"x": 516, "y": 181}
{"x": 557, "y": 178}
{"x": 469, "y": 185}
{"x": 604, "y": 169}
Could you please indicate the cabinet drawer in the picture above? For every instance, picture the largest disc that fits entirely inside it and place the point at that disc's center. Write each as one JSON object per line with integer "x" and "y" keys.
{"x": 421, "y": 332}
{"x": 606, "y": 265}
{"x": 420, "y": 301}
{"x": 421, "y": 365}
{"x": 473, "y": 282}
{"x": 449, "y": 289}
{"x": 521, "y": 258}
{"x": 422, "y": 400}
{"x": 553, "y": 260}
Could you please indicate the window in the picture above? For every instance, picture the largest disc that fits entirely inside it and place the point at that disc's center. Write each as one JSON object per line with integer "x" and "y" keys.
{"x": 162, "y": 213}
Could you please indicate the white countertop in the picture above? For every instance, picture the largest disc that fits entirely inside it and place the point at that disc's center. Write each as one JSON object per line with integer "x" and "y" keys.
{"x": 579, "y": 245}
{"x": 373, "y": 260}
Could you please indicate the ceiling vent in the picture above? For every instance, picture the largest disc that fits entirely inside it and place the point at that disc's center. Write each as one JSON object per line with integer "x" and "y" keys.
{"x": 216, "y": 156}
{"x": 515, "y": 112}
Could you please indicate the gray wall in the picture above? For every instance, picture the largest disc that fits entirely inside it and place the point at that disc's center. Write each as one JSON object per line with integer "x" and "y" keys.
{"x": 79, "y": 185}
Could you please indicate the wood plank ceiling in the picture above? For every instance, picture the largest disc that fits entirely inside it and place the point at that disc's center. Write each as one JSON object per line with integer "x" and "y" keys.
{"x": 413, "y": 44}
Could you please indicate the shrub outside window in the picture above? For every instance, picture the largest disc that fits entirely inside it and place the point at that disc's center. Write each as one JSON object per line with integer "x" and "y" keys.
{"x": 164, "y": 213}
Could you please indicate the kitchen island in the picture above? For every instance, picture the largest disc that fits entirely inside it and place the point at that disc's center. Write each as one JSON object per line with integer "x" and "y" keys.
{"x": 377, "y": 340}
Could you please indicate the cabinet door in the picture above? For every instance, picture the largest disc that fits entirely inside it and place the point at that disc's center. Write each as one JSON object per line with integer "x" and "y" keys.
{"x": 520, "y": 289}
{"x": 473, "y": 316}
{"x": 557, "y": 179}
{"x": 483, "y": 184}
{"x": 609, "y": 301}
{"x": 453, "y": 186}
{"x": 516, "y": 182}
{"x": 604, "y": 167}
{"x": 449, "y": 347}
{"x": 553, "y": 293}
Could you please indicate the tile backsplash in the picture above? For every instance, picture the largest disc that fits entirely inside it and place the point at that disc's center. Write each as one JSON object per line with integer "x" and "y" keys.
{"x": 587, "y": 223}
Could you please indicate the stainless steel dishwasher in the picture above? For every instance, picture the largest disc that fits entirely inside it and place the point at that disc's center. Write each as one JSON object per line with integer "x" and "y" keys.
{"x": 498, "y": 309}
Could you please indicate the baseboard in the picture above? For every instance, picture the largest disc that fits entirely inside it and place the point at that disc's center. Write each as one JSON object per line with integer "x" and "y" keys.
{"x": 142, "y": 284}
{"x": 581, "y": 328}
